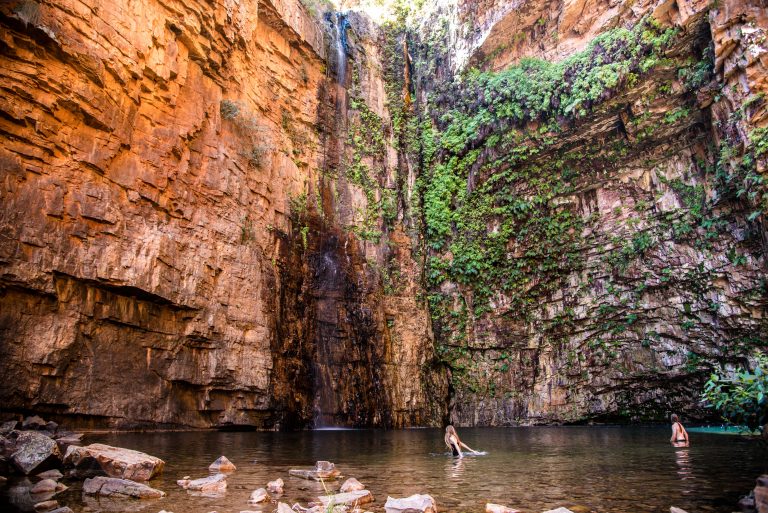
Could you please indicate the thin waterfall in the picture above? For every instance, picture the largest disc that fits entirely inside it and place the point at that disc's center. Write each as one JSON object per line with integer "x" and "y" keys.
{"x": 342, "y": 24}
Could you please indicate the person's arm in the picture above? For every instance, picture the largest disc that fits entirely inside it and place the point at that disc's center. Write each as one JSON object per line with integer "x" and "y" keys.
{"x": 674, "y": 433}
{"x": 468, "y": 447}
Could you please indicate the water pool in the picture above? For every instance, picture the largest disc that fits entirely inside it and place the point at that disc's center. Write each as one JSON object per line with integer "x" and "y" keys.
{"x": 604, "y": 469}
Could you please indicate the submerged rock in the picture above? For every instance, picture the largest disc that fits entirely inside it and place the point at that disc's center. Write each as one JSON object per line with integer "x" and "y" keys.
{"x": 222, "y": 464}
{"x": 211, "y": 484}
{"x": 347, "y": 499}
{"x": 35, "y": 451}
{"x": 46, "y": 485}
{"x": 275, "y": 486}
{"x": 419, "y": 502}
{"x": 114, "y": 487}
{"x": 352, "y": 485}
{"x": 115, "y": 461}
{"x": 257, "y": 496}
{"x": 323, "y": 470}
{"x": 45, "y": 506}
{"x": 498, "y": 508}
{"x": 54, "y": 474}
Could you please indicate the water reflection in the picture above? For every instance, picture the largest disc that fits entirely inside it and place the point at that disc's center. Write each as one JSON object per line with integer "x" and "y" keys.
{"x": 455, "y": 467}
{"x": 533, "y": 469}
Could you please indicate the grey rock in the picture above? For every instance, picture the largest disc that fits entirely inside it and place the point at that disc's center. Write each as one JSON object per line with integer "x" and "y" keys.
{"x": 418, "y": 502}
{"x": 35, "y": 451}
{"x": 114, "y": 487}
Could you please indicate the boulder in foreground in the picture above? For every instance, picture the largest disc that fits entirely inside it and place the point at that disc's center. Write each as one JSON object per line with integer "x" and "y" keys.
{"x": 115, "y": 461}
{"x": 419, "y": 502}
{"x": 114, "y": 487}
{"x": 35, "y": 451}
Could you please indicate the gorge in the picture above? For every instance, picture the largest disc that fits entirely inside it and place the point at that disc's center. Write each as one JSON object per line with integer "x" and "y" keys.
{"x": 272, "y": 214}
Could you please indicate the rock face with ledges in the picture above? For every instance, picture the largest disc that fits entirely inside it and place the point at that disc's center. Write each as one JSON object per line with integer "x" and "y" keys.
{"x": 151, "y": 153}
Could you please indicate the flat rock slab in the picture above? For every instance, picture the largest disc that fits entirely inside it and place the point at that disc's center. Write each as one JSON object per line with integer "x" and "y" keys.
{"x": 210, "y": 484}
{"x": 34, "y": 450}
{"x": 415, "y": 503}
{"x": 347, "y": 499}
{"x": 114, "y": 487}
{"x": 116, "y": 461}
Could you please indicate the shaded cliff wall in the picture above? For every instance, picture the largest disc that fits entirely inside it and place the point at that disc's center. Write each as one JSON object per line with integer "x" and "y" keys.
{"x": 170, "y": 251}
{"x": 595, "y": 227}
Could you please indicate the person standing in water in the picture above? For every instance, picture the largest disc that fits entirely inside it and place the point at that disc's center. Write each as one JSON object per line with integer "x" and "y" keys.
{"x": 679, "y": 434}
{"x": 454, "y": 443}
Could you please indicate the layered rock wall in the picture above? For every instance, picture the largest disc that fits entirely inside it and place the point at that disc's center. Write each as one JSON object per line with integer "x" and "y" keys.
{"x": 154, "y": 269}
{"x": 643, "y": 265}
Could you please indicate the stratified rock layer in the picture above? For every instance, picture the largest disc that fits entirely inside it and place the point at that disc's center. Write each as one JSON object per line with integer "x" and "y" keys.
{"x": 158, "y": 266}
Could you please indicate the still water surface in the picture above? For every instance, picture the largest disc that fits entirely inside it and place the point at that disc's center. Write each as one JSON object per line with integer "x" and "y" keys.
{"x": 607, "y": 469}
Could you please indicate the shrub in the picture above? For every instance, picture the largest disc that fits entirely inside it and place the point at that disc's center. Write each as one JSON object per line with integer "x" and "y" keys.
{"x": 740, "y": 396}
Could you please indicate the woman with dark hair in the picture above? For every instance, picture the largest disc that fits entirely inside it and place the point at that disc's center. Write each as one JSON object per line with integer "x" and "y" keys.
{"x": 679, "y": 434}
{"x": 454, "y": 443}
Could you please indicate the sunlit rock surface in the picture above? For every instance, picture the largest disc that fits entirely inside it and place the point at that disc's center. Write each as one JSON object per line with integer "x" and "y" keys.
{"x": 153, "y": 271}
{"x": 210, "y": 216}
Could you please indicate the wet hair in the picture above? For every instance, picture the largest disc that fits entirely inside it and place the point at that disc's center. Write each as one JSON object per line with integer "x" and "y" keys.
{"x": 674, "y": 418}
{"x": 450, "y": 430}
